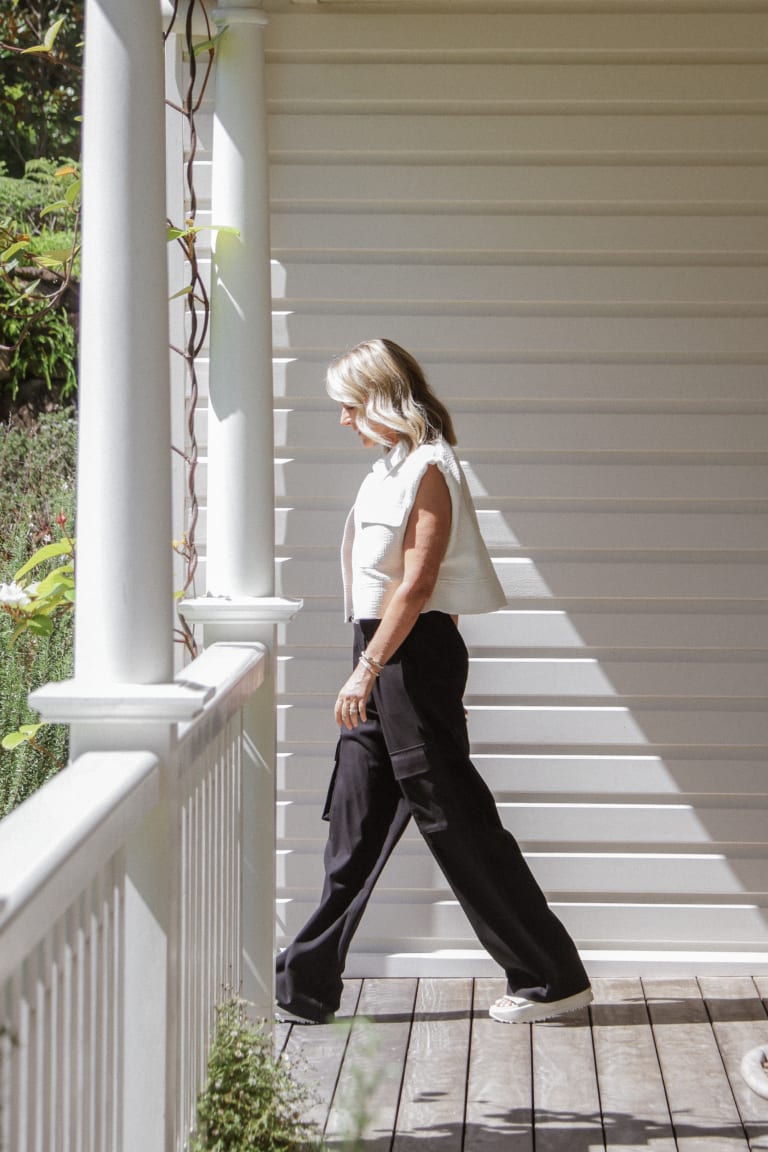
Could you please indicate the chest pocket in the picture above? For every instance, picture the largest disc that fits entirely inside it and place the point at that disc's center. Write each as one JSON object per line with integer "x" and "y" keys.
{"x": 376, "y": 507}
{"x": 378, "y": 539}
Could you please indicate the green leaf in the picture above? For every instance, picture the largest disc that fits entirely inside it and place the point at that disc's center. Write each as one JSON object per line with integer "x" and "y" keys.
{"x": 181, "y": 292}
{"x": 20, "y": 736}
{"x": 54, "y": 259}
{"x": 73, "y": 192}
{"x": 53, "y": 32}
{"x": 57, "y": 206}
{"x": 60, "y": 578}
{"x": 19, "y": 246}
{"x": 208, "y": 45}
{"x": 174, "y": 233}
{"x": 12, "y": 740}
{"x": 40, "y": 626}
{"x": 228, "y": 228}
{"x": 58, "y": 548}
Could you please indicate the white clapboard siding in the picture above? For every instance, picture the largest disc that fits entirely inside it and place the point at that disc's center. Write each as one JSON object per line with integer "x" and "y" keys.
{"x": 562, "y": 210}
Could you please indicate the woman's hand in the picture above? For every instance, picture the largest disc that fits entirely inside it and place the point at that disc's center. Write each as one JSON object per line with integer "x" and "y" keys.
{"x": 351, "y": 701}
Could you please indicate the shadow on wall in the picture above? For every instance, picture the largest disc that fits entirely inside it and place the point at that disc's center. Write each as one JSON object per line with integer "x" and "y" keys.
{"x": 630, "y": 679}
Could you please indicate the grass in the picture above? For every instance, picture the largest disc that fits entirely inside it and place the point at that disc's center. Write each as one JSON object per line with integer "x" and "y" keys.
{"x": 37, "y": 470}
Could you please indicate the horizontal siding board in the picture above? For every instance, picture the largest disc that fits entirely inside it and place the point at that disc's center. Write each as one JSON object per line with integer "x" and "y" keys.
{"x": 413, "y": 872}
{"x": 421, "y": 924}
{"x": 518, "y": 82}
{"x": 558, "y": 678}
{"x": 633, "y": 138}
{"x": 586, "y": 726}
{"x": 619, "y": 383}
{"x": 596, "y": 632}
{"x": 506, "y": 526}
{"x": 582, "y": 335}
{"x": 644, "y": 777}
{"x": 526, "y": 284}
{"x": 630, "y": 30}
{"x": 494, "y": 430}
{"x": 591, "y": 578}
{"x": 678, "y": 827}
{"x": 563, "y": 233}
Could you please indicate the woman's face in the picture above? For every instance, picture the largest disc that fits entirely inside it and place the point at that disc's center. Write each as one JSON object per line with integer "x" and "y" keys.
{"x": 349, "y": 420}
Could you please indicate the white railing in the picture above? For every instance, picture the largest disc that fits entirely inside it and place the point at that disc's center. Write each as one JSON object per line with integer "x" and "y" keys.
{"x": 121, "y": 928}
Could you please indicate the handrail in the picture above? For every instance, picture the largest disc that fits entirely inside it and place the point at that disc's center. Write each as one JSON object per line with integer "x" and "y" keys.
{"x": 234, "y": 671}
{"x": 56, "y": 840}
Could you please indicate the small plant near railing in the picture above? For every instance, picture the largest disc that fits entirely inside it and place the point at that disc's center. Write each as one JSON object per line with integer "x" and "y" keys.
{"x": 251, "y": 1102}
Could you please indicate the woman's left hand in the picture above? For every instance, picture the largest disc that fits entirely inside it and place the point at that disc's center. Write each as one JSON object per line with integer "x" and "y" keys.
{"x": 351, "y": 701}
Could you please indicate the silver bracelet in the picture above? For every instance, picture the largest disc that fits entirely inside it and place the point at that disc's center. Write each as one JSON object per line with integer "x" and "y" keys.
{"x": 376, "y": 663}
{"x": 371, "y": 664}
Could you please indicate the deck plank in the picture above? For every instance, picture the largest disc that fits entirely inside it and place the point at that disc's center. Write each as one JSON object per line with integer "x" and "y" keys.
{"x": 652, "y": 1066}
{"x": 368, "y": 1092}
{"x": 435, "y": 1079}
{"x": 316, "y": 1053}
{"x": 633, "y": 1101}
{"x": 499, "y": 1088}
{"x": 701, "y": 1103}
{"x": 567, "y": 1115}
{"x": 740, "y": 1023}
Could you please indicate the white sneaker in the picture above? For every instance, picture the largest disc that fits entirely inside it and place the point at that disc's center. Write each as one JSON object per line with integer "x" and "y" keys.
{"x": 518, "y": 1010}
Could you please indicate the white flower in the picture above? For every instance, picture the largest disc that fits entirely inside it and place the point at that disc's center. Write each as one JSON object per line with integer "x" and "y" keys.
{"x": 13, "y": 593}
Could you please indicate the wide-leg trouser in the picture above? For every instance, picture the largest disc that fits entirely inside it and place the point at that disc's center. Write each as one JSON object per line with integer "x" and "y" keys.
{"x": 411, "y": 758}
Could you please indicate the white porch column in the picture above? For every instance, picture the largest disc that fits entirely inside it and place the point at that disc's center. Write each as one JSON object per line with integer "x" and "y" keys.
{"x": 241, "y": 506}
{"x": 124, "y": 571}
{"x": 121, "y": 696}
{"x": 240, "y": 440}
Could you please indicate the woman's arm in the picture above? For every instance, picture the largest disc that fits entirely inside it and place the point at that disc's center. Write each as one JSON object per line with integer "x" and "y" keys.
{"x": 426, "y": 539}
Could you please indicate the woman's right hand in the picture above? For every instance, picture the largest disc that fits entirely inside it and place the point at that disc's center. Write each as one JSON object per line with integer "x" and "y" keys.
{"x": 353, "y": 697}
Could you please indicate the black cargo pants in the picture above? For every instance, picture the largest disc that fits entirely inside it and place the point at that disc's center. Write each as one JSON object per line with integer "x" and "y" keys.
{"x": 411, "y": 758}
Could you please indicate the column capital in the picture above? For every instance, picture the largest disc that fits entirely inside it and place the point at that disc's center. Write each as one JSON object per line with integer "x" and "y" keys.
{"x": 239, "y": 609}
{"x": 237, "y": 14}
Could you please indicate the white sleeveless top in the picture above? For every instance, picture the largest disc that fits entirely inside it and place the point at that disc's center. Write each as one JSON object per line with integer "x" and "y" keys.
{"x": 372, "y": 547}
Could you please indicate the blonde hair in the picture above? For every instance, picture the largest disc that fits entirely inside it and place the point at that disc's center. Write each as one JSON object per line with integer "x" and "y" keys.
{"x": 386, "y": 386}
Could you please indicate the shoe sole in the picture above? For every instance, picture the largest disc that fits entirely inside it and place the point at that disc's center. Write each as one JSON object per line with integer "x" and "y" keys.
{"x": 542, "y": 1010}
{"x": 285, "y": 1016}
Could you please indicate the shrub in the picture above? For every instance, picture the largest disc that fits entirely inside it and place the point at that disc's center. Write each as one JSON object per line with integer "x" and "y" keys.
{"x": 37, "y": 467}
{"x": 30, "y": 663}
{"x": 39, "y": 290}
{"x": 251, "y": 1102}
{"x": 37, "y": 482}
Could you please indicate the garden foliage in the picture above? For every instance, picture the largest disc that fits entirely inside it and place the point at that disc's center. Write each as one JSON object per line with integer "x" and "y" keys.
{"x": 37, "y": 467}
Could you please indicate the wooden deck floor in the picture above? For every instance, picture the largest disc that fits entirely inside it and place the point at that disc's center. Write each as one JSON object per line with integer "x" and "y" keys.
{"x": 653, "y": 1064}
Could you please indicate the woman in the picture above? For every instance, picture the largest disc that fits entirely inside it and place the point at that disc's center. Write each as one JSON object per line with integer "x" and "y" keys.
{"x": 412, "y": 560}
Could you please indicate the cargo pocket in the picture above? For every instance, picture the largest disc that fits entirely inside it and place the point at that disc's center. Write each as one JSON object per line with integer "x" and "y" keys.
{"x": 332, "y": 783}
{"x": 414, "y": 774}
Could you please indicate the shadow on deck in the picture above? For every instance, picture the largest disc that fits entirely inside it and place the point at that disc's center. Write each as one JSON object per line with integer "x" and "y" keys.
{"x": 652, "y": 1064}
